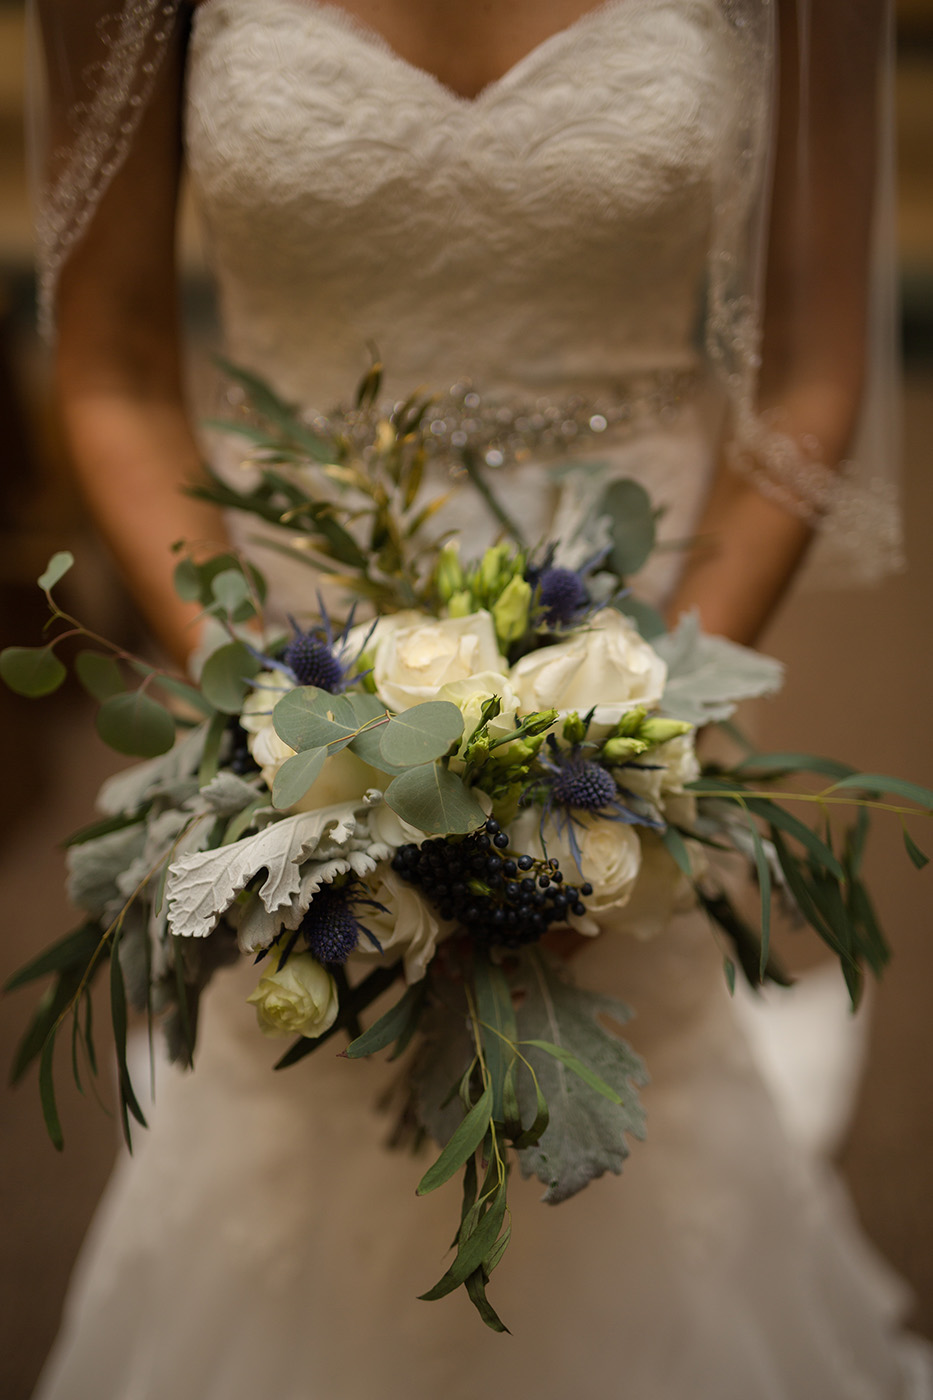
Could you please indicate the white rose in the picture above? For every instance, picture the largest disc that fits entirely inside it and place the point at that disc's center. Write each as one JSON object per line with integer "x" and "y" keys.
{"x": 344, "y": 777}
{"x": 301, "y": 999}
{"x": 413, "y": 662}
{"x": 661, "y": 890}
{"x": 470, "y": 695}
{"x": 408, "y": 927}
{"x": 606, "y": 664}
{"x": 662, "y": 772}
{"x": 610, "y": 859}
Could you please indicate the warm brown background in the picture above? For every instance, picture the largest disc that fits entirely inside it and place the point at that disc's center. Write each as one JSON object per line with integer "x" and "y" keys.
{"x": 860, "y": 687}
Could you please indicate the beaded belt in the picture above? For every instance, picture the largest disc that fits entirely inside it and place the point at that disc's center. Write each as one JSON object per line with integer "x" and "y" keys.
{"x": 498, "y": 430}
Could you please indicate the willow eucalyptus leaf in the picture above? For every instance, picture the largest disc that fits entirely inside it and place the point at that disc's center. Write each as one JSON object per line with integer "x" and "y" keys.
{"x": 55, "y": 570}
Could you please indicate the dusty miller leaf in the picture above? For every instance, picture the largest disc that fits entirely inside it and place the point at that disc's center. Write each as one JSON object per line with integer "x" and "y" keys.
{"x": 130, "y": 789}
{"x": 95, "y": 867}
{"x": 708, "y": 676}
{"x": 201, "y": 886}
{"x": 586, "y": 1134}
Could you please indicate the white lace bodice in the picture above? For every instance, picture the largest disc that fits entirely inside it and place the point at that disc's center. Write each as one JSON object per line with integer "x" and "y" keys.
{"x": 553, "y": 231}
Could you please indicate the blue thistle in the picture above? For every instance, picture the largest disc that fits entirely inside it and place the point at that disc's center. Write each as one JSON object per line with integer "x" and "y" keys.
{"x": 581, "y": 782}
{"x": 331, "y": 927}
{"x": 562, "y": 596}
{"x": 312, "y": 662}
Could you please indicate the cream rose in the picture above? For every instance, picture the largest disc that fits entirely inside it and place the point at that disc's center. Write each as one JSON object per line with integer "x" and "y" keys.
{"x": 661, "y": 890}
{"x": 407, "y": 927}
{"x": 300, "y": 999}
{"x": 663, "y": 772}
{"x": 414, "y": 661}
{"x": 606, "y": 665}
{"x": 610, "y": 859}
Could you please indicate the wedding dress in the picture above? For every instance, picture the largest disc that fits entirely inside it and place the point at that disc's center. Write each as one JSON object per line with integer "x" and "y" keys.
{"x": 545, "y": 240}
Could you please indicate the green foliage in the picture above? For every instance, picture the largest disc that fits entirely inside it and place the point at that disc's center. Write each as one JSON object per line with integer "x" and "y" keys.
{"x": 309, "y": 718}
{"x": 421, "y": 734}
{"x": 99, "y": 674}
{"x": 632, "y": 523}
{"x": 432, "y": 799}
{"x": 226, "y": 676}
{"x": 462, "y": 1145}
{"x": 295, "y": 777}
{"x": 132, "y": 723}
{"x": 31, "y": 671}
{"x": 55, "y": 570}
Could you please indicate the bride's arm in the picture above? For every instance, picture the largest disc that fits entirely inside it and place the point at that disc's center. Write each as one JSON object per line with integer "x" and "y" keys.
{"x": 815, "y": 317}
{"x": 119, "y": 372}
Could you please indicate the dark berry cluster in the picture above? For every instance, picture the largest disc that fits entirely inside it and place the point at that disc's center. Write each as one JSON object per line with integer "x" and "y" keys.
{"x": 579, "y": 782}
{"x": 240, "y": 759}
{"x": 497, "y": 896}
{"x": 312, "y": 662}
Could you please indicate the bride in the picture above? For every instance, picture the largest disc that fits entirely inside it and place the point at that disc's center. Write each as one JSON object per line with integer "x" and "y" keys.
{"x": 567, "y": 205}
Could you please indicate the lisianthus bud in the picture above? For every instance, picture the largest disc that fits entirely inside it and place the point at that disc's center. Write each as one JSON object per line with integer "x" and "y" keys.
{"x": 493, "y": 568}
{"x": 539, "y": 721}
{"x": 630, "y": 724}
{"x": 574, "y": 729}
{"x": 621, "y": 750}
{"x": 510, "y": 611}
{"x": 449, "y": 574}
{"x": 298, "y": 999}
{"x": 460, "y": 604}
{"x": 658, "y": 731}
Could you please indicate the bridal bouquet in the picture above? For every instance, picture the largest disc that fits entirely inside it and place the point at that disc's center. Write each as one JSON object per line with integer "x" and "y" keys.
{"x": 410, "y": 801}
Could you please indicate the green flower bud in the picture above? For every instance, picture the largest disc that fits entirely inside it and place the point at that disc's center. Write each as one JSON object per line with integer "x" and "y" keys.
{"x": 631, "y": 722}
{"x": 621, "y": 750}
{"x": 539, "y": 721}
{"x": 491, "y": 567}
{"x": 574, "y": 729}
{"x": 659, "y": 731}
{"x": 449, "y": 574}
{"x": 510, "y": 611}
{"x": 460, "y": 604}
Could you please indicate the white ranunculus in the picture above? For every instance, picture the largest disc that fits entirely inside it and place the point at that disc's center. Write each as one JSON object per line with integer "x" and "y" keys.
{"x": 662, "y": 772}
{"x": 300, "y": 999}
{"x": 344, "y": 777}
{"x": 610, "y": 859}
{"x": 605, "y": 664}
{"x": 414, "y": 661}
{"x": 408, "y": 928}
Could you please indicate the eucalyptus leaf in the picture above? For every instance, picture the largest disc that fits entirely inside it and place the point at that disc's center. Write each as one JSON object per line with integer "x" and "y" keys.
{"x": 99, "y": 674}
{"x": 472, "y": 1250}
{"x": 476, "y": 1288}
{"x": 132, "y": 723}
{"x": 31, "y": 671}
{"x": 632, "y": 523}
{"x": 186, "y": 579}
{"x": 47, "y": 1094}
{"x": 461, "y": 1146}
{"x": 390, "y": 1026}
{"x": 913, "y": 850}
{"x": 497, "y": 1025}
{"x": 677, "y": 848}
{"x": 307, "y": 718}
{"x": 421, "y": 734}
{"x": 75, "y": 950}
{"x": 226, "y": 675}
{"x": 880, "y": 786}
{"x": 231, "y": 590}
{"x": 55, "y": 570}
{"x": 434, "y": 800}
{"x": 296, "y": 776}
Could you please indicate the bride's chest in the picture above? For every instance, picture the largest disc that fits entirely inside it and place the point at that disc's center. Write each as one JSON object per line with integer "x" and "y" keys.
{"x": 291, "y": 104}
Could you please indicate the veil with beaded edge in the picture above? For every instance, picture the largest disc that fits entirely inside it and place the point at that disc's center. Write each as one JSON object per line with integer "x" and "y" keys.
{"x": 93, "y": 69}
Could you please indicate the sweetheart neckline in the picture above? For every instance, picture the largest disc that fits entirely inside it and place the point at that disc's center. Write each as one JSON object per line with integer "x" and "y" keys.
{"x": 373, "y": 39}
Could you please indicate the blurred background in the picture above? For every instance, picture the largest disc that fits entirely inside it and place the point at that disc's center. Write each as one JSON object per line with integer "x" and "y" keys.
{"x": 860, "y": 686}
